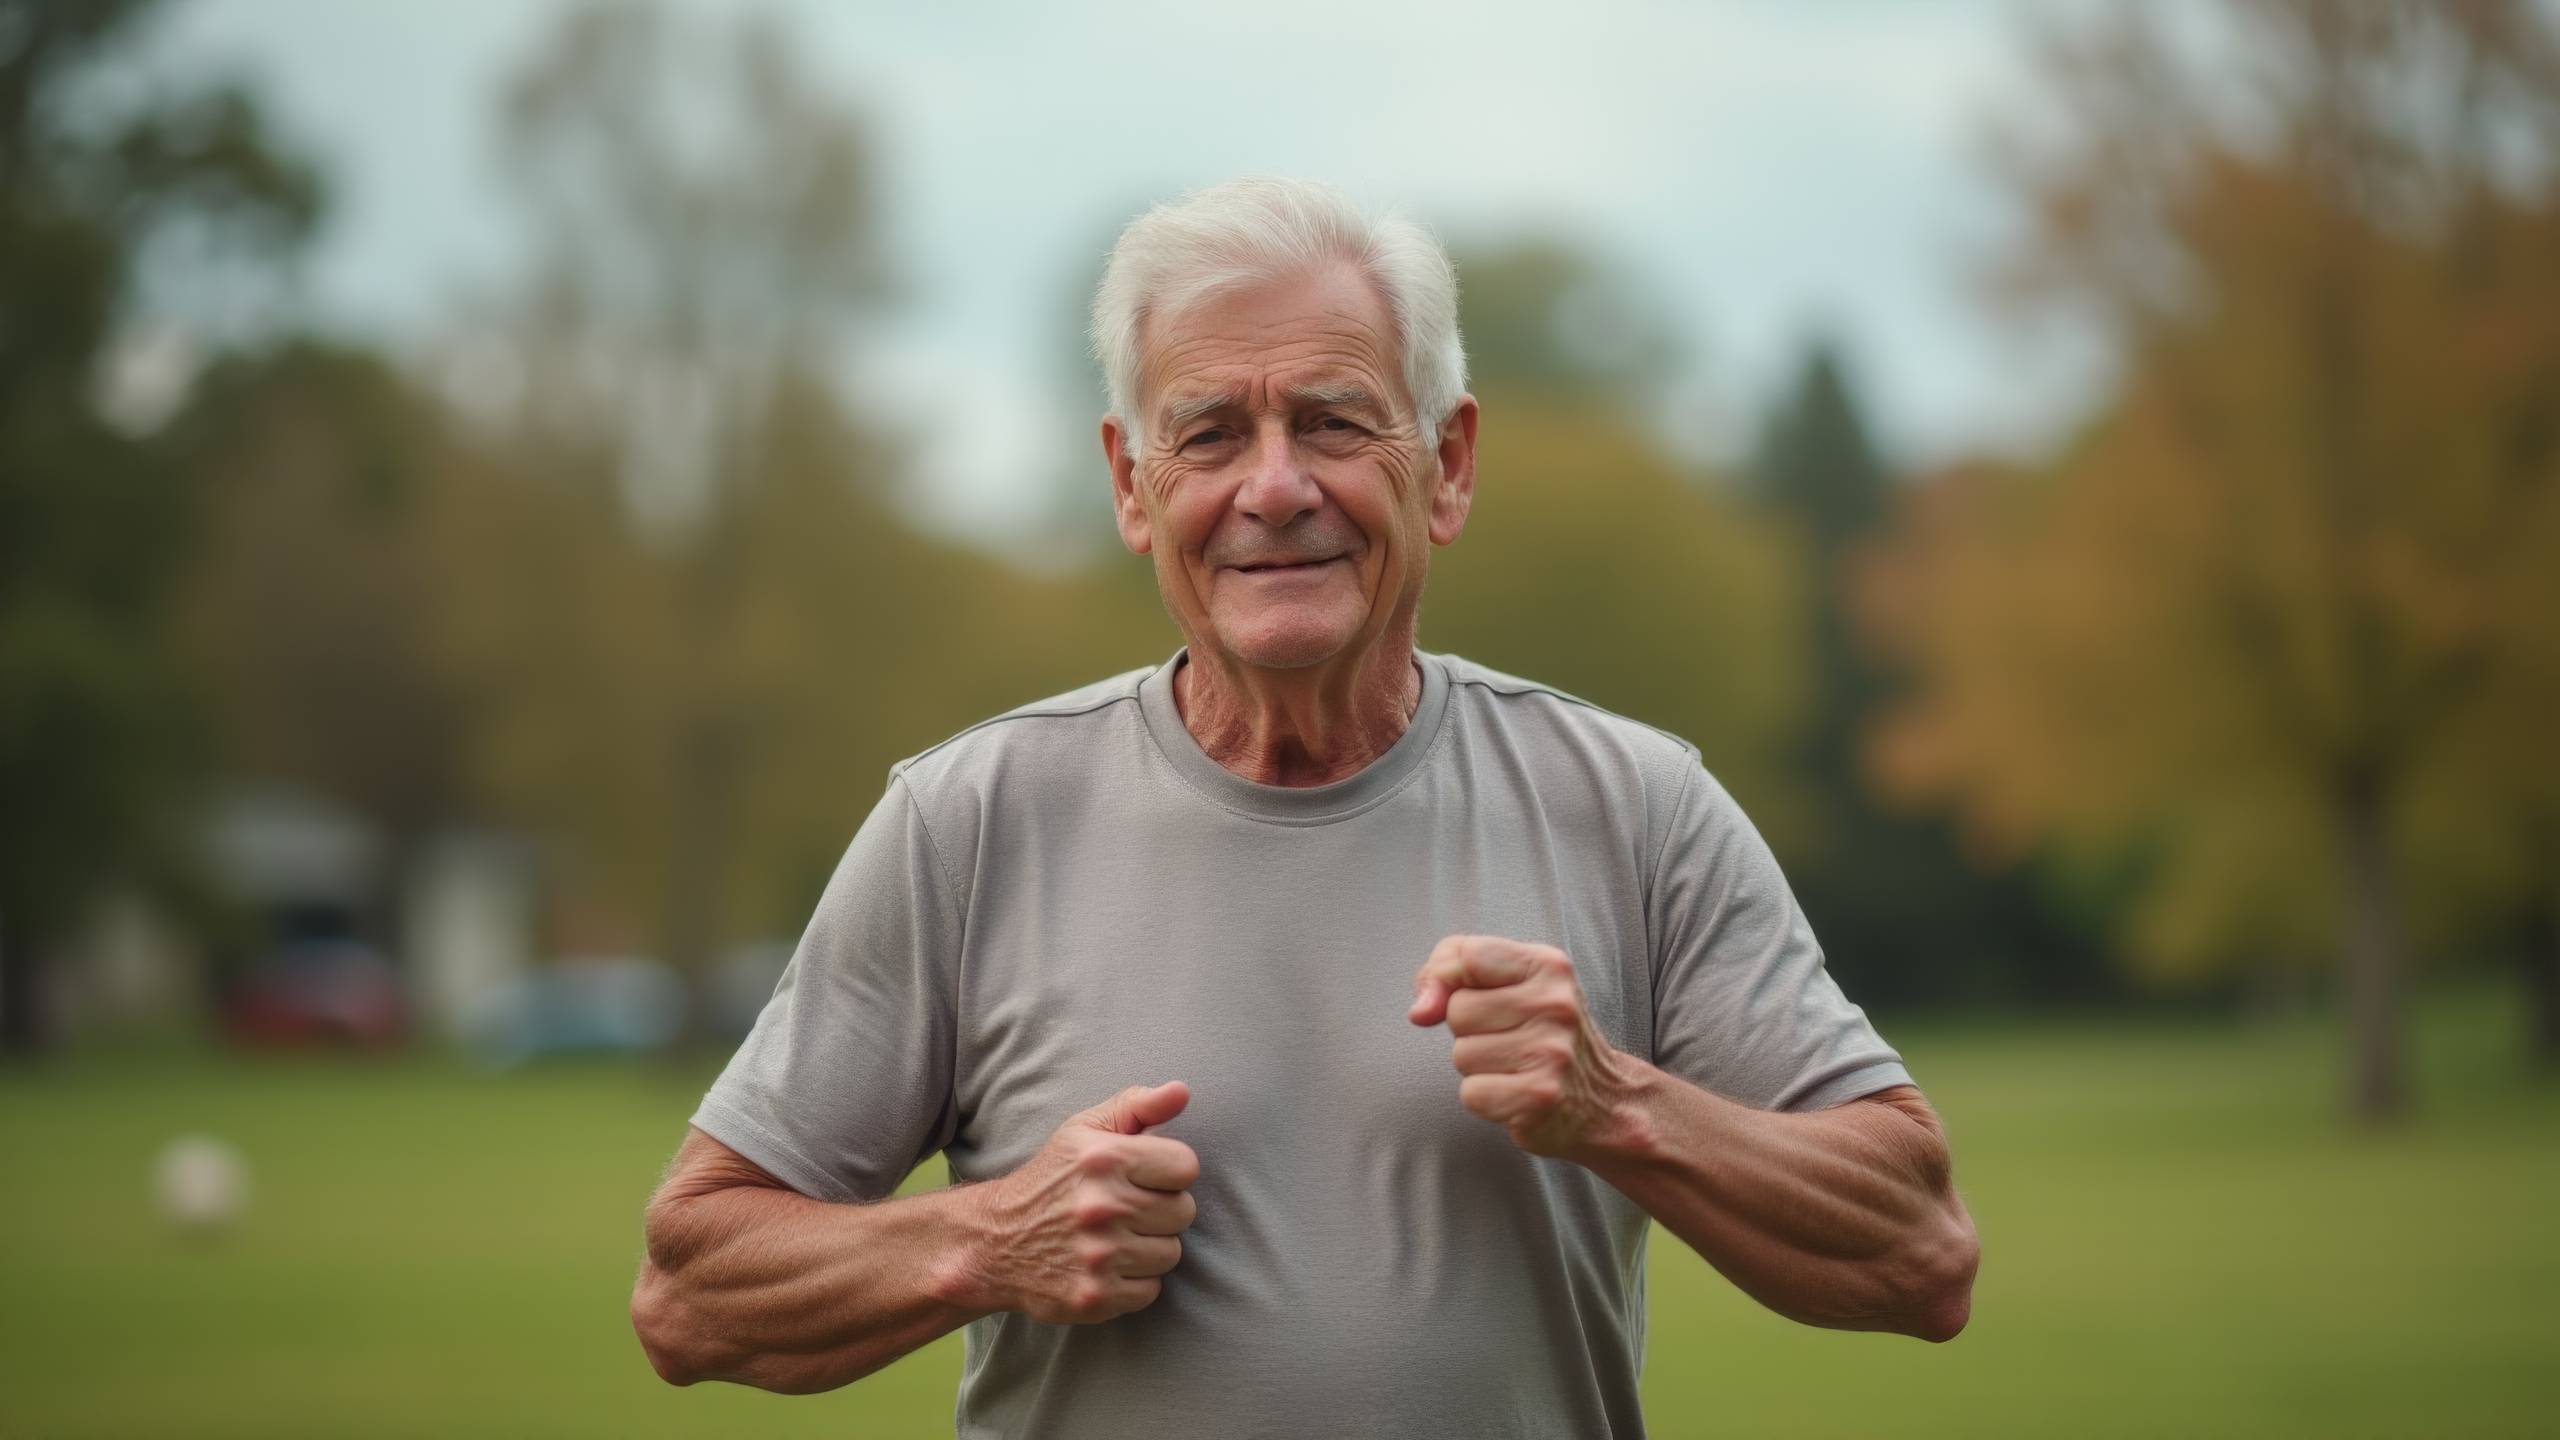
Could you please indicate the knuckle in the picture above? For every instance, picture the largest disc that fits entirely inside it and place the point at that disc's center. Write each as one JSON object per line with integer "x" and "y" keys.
{"x": 1097, "y": 1160}
{"x": 1094, "y": 1256}
{"x": 1087, "y": 1298}
{"x": 1093, "y": 1211}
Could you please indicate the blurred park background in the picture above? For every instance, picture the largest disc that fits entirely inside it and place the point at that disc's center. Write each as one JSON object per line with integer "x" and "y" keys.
{"x": 487, "y": 490}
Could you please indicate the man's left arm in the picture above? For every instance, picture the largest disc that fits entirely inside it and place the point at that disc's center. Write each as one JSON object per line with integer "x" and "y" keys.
{"x": 1845, "y": 1217}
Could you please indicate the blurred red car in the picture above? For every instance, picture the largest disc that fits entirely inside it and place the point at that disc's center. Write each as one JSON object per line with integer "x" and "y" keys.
{"x": 319, "y": 992}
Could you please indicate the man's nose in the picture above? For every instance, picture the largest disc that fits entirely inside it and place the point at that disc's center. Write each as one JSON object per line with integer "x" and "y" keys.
{"x": 1278, "y": 487}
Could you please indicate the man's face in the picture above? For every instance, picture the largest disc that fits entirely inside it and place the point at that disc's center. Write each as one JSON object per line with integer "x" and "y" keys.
{"x": 1281, "y": 481}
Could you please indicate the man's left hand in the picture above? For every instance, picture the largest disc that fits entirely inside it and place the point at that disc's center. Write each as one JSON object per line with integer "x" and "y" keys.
{"x": 1533, "y": 1061}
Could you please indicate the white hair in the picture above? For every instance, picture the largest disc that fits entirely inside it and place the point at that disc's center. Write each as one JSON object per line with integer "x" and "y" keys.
{"x": 1257, "y": 230}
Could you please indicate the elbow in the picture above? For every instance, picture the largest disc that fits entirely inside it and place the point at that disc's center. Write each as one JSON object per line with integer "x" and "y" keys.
{"x": 669, "y": 1334}
{"x": 685, "y": 1345}
{"x": 1932, "y": 1276}
{"x": 1946, "y": 1320}
{"x": 683, "y": 1336}
{"x": 1939, "y": 1272}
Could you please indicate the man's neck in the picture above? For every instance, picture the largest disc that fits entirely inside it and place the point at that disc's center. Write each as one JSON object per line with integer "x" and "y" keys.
{"x": 1299, "y": 727}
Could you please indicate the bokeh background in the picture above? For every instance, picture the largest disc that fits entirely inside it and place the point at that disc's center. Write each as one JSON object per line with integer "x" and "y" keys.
{"x": 486, "y": 490}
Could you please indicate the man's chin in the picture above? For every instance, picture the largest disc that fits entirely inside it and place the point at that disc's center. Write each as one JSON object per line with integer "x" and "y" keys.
{"x": 1286, "y": 645}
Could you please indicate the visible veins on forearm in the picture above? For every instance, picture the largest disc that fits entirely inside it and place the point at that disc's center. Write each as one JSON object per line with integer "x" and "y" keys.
{"x": 1845, "y": 1217}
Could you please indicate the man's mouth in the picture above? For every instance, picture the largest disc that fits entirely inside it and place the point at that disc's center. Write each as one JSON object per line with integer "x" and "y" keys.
{"x": 1288, "y": 565}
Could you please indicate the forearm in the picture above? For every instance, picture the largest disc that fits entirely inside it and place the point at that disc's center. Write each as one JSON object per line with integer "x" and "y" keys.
{"x": 767, "y": 1287}
{"x": 1845, "y": 1218}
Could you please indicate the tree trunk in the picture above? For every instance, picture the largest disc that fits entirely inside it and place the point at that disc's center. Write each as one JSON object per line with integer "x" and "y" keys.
{"x": 2375, "y": 946}
{"x": 2540, "y": 954}
{"x": 707, "y": 785}
{"x": 712, "y": 760}
{"x": 22, "y": 1012}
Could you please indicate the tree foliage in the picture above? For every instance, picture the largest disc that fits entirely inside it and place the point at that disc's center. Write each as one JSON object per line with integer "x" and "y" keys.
{"x": 95, "y": 741}
{"x": 1902, "y": 916}
{"x": 691, "y": 626}
{"x": 2283, "y": 620}
{"x": 310, "y": 602}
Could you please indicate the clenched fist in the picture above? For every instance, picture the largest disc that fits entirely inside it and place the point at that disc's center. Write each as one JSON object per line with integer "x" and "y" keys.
{"x": 1533, "y": 1061}
{"x": 1082, "y": 1230}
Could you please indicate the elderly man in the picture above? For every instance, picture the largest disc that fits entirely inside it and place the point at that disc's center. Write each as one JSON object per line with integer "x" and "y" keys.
{"x": 1315, "y": 1025}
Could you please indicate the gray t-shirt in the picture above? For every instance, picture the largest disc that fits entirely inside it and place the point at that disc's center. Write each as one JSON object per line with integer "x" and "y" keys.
{"x": 1073, "y": 897}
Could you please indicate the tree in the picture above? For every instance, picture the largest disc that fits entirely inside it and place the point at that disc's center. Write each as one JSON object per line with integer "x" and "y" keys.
{"x": 693, "y": 628}
{"x": 1544, "y": 317}
{"x": 2285, "y": 620}
{"x": 310, "y": 605}
{"x": 1902, "y": 916}
{"x": 95, "y": 744}
{"x": 704, "y": 234}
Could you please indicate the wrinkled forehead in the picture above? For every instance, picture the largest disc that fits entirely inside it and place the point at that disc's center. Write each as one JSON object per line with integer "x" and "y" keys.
{"x": 1323, "y": 338}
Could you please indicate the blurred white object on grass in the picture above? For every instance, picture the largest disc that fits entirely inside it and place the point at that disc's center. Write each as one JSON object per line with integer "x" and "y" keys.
{"x": 202, "y": 1184}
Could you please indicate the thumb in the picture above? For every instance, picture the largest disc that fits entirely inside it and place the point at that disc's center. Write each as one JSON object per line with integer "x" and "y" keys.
{"x": 1139, "y": 1106}
{"x": 1430, "y": 1002}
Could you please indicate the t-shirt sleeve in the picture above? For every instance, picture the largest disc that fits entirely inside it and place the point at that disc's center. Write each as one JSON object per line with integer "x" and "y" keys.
{"x": 845, "y": 1083}
{"x": 1743, "y": 1004}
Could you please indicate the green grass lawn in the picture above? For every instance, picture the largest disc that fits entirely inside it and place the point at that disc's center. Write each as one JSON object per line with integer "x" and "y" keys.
{"x": 2180, "y": 1238}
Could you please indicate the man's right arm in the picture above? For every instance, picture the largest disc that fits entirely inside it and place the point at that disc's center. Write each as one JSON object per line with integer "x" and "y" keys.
{"x": 747, "y": 1280}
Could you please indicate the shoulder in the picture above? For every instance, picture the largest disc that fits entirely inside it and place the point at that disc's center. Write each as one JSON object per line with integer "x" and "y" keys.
{"x": 1569, "y": 738}
{"x": 1055, "y": 743}
{"x": 1060, "y": 724}
{"x": 1546, "y": 714}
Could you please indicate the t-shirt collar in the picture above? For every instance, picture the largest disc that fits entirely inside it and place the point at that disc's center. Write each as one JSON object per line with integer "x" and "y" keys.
{"x": 1294, "y": 804}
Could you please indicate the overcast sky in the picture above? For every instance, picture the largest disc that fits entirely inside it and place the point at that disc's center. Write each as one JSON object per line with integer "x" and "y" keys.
{"x": 1767, "y": 167}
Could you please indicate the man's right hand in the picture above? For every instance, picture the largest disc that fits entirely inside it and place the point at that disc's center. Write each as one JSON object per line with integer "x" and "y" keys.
{"x": 1080, "y": 1233}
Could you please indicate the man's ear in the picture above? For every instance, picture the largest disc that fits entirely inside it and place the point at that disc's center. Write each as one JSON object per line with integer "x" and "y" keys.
{"x": 1455, "y": 495}
{"x": 1136, "y": 530}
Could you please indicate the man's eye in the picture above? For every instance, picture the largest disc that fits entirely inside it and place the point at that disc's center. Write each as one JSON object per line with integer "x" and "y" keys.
{"x": 1206, "y": 435}
{"x": 1336, "y": 424}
